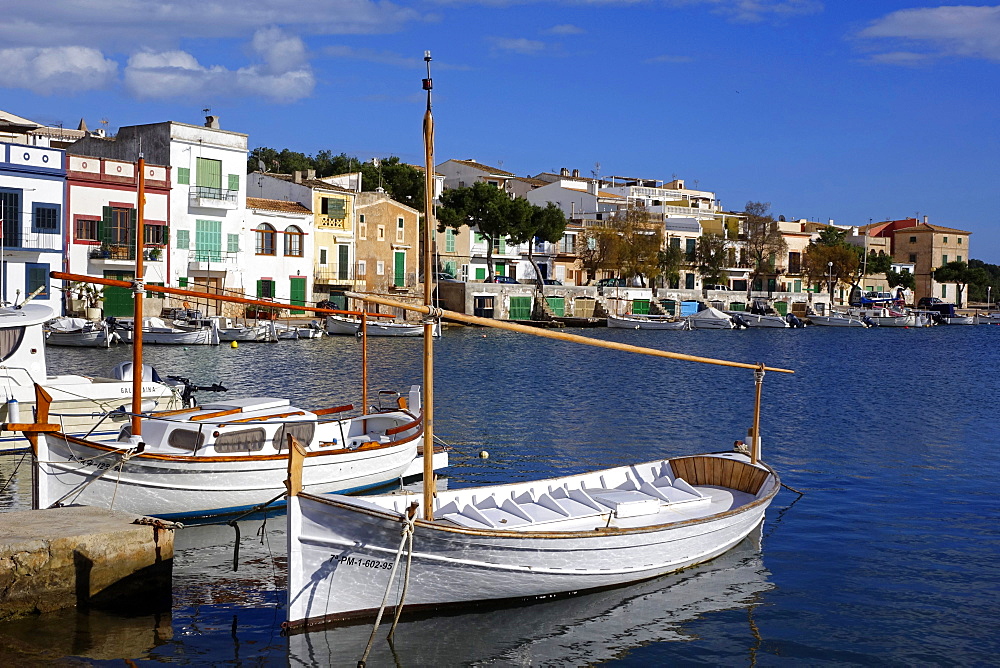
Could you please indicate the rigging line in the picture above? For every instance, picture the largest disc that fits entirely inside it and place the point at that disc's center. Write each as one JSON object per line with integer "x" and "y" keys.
{"x": 13, "y": 473}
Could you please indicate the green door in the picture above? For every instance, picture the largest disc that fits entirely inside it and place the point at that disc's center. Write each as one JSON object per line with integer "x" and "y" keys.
{"x": 558, "y": 305}
{"x": 118, "y": 301}
{"x": 520, "y": 308}
{"x": 781, "y": 307}
{"x": 297, "y": 293}
{"x": 640, "y": 307}
{"x": 399, "y": 269}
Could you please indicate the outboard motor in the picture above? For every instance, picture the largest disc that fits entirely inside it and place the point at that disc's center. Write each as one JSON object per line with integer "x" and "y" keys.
{"x": 740, "y": 322}
{"x": 188, "y": 389}
{"x": 868, "y": 321}
{"x": 793, "y": 321}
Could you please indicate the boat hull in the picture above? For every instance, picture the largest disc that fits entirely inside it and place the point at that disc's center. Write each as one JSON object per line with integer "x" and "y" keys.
{"x": 753, "y": 320}
{"x": 836, "y": 321}
{"x": 177, "y": 487}
{"x": 341, "y": 553}
{"x": 625, "y": 322}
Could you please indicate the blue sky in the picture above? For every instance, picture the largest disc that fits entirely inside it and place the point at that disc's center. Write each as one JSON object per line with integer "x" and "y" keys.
{"x": 845, "y": 110}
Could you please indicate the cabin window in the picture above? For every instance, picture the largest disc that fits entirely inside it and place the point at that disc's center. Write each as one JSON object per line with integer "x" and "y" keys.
{"x": 186, "y": 439}
{"x": 247, "y": 440}
{"x": 302, "y": 431}
{"x": 10, "y": 341}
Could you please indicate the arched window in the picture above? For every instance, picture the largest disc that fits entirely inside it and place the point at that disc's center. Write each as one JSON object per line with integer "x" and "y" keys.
{"x": 293, "y": 241}
{"x": 264, "y": 235}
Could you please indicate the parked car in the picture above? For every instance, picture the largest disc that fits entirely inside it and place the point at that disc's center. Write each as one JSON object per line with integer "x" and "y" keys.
{"x": 612, "y": 283}
{"x": 927, "y": 302}
{"x": 717, "y": 287}
{"x": 502, "y": 279}
{"x": 551, "y": 281}
{"x": 444, "y": 276}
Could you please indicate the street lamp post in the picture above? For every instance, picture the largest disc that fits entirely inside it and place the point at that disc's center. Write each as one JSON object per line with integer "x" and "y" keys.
{"x": 829, "y": 284}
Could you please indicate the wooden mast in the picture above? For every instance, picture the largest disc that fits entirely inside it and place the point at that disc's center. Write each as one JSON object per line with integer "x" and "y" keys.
{"x": 428, "y": 402}
{"x": 138, "y": 293}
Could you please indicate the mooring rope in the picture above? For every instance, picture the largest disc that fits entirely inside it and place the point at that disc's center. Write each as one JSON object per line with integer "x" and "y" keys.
{"x": 407, "y": 536}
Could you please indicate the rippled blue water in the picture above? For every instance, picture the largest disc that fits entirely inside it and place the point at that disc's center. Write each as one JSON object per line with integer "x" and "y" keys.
{"x": 890, "y": 557}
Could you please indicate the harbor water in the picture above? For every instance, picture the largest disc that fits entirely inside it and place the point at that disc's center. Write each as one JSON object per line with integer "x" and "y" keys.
{"x": 890, "y": 556}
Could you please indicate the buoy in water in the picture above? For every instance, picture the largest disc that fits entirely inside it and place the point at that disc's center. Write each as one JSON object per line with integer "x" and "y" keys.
{"x": 234, "y": 345}
{"x": 483, "y": 454}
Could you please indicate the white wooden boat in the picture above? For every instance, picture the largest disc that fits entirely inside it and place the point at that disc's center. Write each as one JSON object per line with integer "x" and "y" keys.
{"x": 339, "y": 325}
{"x": 518, "y": 541}
{"x": 523, "y": 540}
{"x": 647, "y": 322}
{"x": 79, "y": 333}
{"x": 747, "y": 319}
{"x": 958, "y": 320}
{"x": 224, "y": 457}
{"x": 311, "y": 331}
{"x": 710, "y": 318}
{"x": 837, "y": 320}
{"x": 159, "y": 332}
{"x": 263, "y": 332}
{"x": 989, "y": 318}
{"x": 79, "y": 403}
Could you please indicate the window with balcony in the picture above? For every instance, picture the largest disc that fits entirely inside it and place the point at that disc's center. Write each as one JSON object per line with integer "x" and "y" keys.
{"x": 293, "y": 241}
{"x": 155, "y": 234}
{"x": 322, "y": 256}
{"x": 334, "y": 207}
{"x": 208, "y": 240}
{"x": 208, "y": 182}
{"x": 10, "y": 214}
{"x": 264, "y": 237}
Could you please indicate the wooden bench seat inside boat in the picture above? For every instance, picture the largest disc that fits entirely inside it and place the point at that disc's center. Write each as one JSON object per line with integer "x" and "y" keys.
{"x": 723, "y": 470}
{"x": 583, "y": 497}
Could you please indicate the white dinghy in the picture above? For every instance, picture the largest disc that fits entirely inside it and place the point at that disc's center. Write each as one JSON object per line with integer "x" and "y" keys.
{"x": 518, "y": 541}
{"x": 647, "y": 322}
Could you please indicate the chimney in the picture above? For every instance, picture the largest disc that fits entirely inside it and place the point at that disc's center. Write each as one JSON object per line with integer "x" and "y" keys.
{"x": 212, "y": 122}
{"x": 310, "y": 174}
{"x": 595, "y": 187}
{"x": 297, "y": 176}
{"x": 576, "y": 173}
{"x": 925, "y": 220}
{"x": 563, "y": 172}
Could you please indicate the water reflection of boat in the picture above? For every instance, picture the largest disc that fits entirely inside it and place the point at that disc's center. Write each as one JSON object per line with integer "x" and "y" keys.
{"x": 581, "y": 630}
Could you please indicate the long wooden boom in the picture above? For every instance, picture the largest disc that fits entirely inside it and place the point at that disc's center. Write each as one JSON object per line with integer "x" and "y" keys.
{"x": 559, "y": 336}
{"x": 180, "y": 292}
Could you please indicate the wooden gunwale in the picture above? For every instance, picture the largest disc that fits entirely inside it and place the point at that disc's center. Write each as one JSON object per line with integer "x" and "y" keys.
{"x": 601, "y": 532}
{"x": 371, "y": 445}
{"x": 209, "y": 416}
{"x": 404, "y": 427}
{"x": 335, "y": 409}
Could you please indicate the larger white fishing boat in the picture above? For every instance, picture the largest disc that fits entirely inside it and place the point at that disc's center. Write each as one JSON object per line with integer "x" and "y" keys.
{"x": 218, "y": 458}
{"x": 525, "y": 540}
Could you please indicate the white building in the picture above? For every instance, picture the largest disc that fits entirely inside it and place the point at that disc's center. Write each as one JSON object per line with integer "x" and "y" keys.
{"x": 207, "y": 211}
{"x": 279, "y": 233}
{"x": 32, "y": 213}
{"x": 102, "y": 201}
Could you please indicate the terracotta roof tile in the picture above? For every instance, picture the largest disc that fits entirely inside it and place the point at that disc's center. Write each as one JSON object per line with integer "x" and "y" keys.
{"x": 485, "y": 168}
{"x": 309, "y": 183}
{"x": 275, "y": 205}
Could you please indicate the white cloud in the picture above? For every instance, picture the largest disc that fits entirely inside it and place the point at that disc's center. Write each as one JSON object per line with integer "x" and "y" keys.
{"x": 123, "y": 25}
{"x": 964, "y": 31}
{"x": 282, "y": 75}
{"x": 566, "y": 29}
{"x": 65, "y": 69}
{"x": 517, "y": 45}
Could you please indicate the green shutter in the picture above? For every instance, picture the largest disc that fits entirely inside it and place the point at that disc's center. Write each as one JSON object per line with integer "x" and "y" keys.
{"x": 208, "y": 240}
{"x": 399, "y": 270}
{"x": 182, "y": 281}
{"x": 233, "y": 243}
{"x": 297, "y": 293}
{"x": 480, "y": 273}
{"x": 342, "y": 261}
{"x": 449, "y": 241}
{"x": 502, "y": 246}
{"x": 260, "y": 284}
{"x": 234, "y": 181}
{"x": 520, "y": 308}
{"x": 183, "y": 239}
{"x": 209, "y": 173}
{"x": 104, "y": 227}
{"x": 500, "y": 270}
{"x": 184, "y": 176}
{"x": 558, "y": 305}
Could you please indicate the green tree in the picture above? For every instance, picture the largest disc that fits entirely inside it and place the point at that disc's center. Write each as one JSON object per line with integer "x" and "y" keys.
{"x": 637, "y": 243}
{"x": 540, "y": 224}
{"x": 595, "y": 247}
{"x": 903, "y": 279}
{"x": 961, "y": 274}
{"x": 669, "y": 260}
{"x": 712, "y": 257}
{"x": 762, "y": 241}
{"x": 990, "y": 290}
{"x": 484, "y": 208}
